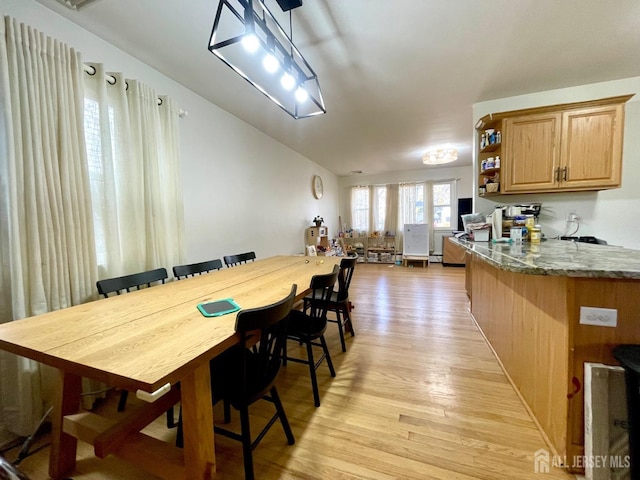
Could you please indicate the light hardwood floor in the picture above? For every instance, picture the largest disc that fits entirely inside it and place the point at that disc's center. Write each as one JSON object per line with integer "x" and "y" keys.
{"x": 418, "y": 395}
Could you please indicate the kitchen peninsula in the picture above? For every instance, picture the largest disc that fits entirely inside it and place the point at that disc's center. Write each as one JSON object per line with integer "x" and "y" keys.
{"x": 526, "y": 299}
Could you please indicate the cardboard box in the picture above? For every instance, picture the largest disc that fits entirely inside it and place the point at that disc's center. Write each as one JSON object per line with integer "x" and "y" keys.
{"x": 606, "y": 428}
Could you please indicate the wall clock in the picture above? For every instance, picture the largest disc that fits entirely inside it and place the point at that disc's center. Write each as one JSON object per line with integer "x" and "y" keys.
{"x": 317, "y": 187}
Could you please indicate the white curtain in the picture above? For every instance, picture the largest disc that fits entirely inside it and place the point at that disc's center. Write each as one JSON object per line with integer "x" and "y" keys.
{"x": 133, "y": 150}
{"x": 378, "y": 195}
{"x": 391, "y": 218}
{"x": 46, "y": 230}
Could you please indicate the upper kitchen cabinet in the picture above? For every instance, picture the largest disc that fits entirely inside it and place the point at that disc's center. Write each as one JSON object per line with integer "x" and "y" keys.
{"x": 569, "y": 147}
{"x": 531, "y": 152}
{"x": 591, "y": 148}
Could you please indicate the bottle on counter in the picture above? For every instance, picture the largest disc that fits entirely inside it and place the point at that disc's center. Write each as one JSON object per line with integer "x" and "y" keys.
{"x": 529, "y": 221}
{"x": 535, "y": 234}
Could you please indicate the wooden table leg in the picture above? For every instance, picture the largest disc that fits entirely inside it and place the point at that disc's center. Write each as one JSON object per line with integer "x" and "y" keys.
{"x": 62, "y": 459}
{"x": 197, "y": 422}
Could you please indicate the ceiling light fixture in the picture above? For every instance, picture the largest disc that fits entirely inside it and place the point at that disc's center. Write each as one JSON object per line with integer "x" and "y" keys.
{"x": 440, "y": 156}
{"x": 247, "y": 37}
{"x": 75, "y": 4}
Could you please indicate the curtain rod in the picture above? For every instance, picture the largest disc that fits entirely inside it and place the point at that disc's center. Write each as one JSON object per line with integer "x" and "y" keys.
{"x": 111, "y": 80}
{"x": 440, "y": 180}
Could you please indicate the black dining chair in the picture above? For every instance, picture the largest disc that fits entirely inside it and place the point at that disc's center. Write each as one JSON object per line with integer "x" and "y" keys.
{"x": 192, "y": 269}
{"x": 247, "y": 372}
{"x": 233, "y": 260}
{"x": 124, "y": 284}
{"x": 308, "y": 327}
{"x": 127, "y": 283}
{"x": 340, "y": 303}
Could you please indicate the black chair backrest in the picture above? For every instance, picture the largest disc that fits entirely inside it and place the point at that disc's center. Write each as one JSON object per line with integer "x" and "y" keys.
{"x": 192, "y": 269}
{"x": 347, "y": 266}
{"x": 127, "y": 282}
{"x": 321, "y": 290}
{"x": 266, "y": 357}
{"x": 233, "y": 260}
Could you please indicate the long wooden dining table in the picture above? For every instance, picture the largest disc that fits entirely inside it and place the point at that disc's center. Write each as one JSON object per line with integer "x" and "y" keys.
{"x": 146, "y": 340}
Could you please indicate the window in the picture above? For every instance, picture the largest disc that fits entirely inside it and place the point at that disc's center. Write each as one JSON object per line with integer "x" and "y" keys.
{"x": 442, "y": 199}
{"x": 93, "y": 140}
{"x": 360, "y": 209}
{"x": 411, "y": 204}
{"x": 368, "y": 208}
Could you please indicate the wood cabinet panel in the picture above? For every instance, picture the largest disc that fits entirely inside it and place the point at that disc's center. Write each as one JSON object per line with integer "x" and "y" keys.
{"x": 532, "y": 323}
{"x": 592, "y": 147}
{"x": 590, "y": 343}
{"x": 524, "y": 318}
{"x": 452, "y": 254}
{"x": 532, "y": 147}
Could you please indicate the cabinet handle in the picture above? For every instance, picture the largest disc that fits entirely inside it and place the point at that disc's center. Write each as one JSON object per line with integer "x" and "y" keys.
{"x": 564, "y": 173}
{"x": 557, "y": 175}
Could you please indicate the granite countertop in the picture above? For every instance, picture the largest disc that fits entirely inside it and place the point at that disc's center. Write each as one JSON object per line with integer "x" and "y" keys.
{"x": 559, "y": 257}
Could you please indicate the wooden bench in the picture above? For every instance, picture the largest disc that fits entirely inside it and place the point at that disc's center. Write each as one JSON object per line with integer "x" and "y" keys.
{"x": 415, "y": 258}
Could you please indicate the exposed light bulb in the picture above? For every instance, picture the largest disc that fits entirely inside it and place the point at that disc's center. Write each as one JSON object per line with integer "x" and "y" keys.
{"x": 301, "y": 95}
{"x": 250, "y": 42}
{"x": 270, "y": 63}
{"x": 287, "y": 81}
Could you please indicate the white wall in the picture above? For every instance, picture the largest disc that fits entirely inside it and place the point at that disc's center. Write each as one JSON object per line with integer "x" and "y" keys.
{"x": 242, "y": 189}
{"x": 464, "y": 189}
{"x": 612, "y": 215}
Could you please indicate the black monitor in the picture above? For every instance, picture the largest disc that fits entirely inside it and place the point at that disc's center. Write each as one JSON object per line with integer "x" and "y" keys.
{"x": 464, "y": 207}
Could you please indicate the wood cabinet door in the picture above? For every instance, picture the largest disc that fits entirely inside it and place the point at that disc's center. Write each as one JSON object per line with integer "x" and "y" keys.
{"x": 452, "y": 254}
{"x": 531, "y": 146}
{"x": 591, "y": 154}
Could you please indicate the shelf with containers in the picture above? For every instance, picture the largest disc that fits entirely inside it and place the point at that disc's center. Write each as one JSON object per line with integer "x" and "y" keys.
{"x": 489, "y": 153}
{"x": 318, "y": 237}
{"x": 381, "y": 249}
{"x": 356, "y": 245}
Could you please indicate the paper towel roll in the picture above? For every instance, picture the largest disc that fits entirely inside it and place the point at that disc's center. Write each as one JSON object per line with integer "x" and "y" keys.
{"x": 496, "y": 223}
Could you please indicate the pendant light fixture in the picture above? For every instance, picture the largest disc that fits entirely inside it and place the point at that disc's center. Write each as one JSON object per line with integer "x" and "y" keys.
{"x": 248, "y": 38}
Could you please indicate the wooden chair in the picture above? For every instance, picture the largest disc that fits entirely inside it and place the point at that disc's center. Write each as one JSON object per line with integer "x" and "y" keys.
{"x": 233, "y": 260}
{"x": 124, "y": 284}
{"x": 309, "y": 327}
{"x": 339, "y": 303}
{"x": 184, "y": 271}
{"x": 246, "y": 373}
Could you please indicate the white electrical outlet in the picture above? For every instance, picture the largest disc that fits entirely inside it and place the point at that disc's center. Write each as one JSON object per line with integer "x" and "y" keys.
{"x": 601, "y": 317}
{"x": 573, "y": 217}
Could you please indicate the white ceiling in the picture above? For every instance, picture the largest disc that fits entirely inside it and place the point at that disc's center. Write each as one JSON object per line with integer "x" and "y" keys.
{"x": 398, "y": 76}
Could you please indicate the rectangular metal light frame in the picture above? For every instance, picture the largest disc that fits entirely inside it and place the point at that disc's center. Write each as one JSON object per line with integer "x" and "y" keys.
{"x": 225, "y": 41}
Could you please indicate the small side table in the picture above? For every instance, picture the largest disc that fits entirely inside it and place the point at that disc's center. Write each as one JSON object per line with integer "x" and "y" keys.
{"x": 415, "y": 258}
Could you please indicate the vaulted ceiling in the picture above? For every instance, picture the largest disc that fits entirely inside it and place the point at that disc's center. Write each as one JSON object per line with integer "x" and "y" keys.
{"x": 398, "y": 76}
